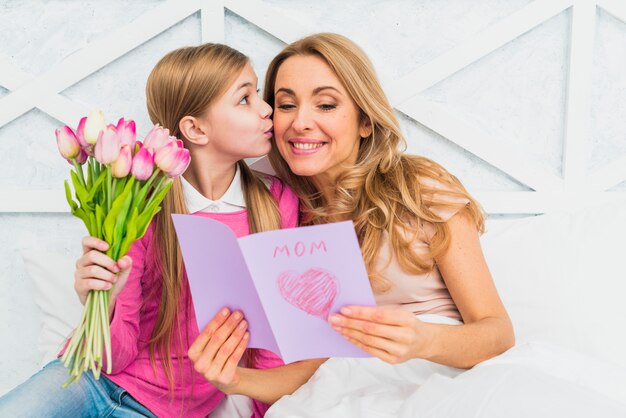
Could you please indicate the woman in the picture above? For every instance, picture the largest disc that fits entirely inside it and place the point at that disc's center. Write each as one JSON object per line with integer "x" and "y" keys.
{"x": 338, "y": 145}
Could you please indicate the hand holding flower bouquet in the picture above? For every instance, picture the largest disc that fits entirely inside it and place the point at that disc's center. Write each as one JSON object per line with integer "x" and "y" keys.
{"x": 121, "y": 191}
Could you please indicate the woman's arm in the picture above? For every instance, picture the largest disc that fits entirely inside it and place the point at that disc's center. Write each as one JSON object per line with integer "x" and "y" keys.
{"x": 218, "y": 349}
{"x": 395, "y": 335}
{"x": 487, "y": 329}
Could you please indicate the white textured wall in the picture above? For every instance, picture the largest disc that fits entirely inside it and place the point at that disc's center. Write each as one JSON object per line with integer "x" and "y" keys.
{"x": 517, "y": 95}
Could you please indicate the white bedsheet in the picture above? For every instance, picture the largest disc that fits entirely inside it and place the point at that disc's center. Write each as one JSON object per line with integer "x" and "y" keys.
{"x": 530, "y": 380}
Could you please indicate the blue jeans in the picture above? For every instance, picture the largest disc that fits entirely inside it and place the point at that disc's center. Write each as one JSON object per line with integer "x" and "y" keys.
{"x": 43, "y": 396}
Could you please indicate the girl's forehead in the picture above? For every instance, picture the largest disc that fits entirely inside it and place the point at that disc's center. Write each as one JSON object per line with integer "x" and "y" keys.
{"x": 247, "y": 77}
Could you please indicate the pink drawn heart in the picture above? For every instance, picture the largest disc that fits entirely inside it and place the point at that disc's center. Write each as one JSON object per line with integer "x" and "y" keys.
{"x": 314, "y": 291}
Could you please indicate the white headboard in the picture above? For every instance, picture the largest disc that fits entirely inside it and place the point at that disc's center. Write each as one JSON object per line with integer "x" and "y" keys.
{"x": 544, "y": 189}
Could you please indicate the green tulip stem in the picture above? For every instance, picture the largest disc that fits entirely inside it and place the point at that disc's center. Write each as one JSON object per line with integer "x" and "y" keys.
{"x": 96, "y": 167}
{"x": 156, "y": 190}
{"x": 104, "y": 306}
{"x": 113, "y": 189}
{"x": 79, "y": 171}
{"x": 153, "y": 177}
{"x": 109, "y": 188}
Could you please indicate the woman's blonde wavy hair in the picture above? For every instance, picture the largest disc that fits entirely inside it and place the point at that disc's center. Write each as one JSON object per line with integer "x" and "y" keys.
{"x": 387, "y": 190}
{"x": 184, "y": 83}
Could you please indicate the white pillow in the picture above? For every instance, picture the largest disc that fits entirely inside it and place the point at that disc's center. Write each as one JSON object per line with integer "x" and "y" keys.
{"x": 53, "y": 283}
{"x": 561, "y": 278}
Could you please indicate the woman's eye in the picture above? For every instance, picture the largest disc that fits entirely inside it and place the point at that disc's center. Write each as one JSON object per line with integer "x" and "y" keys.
{"x": 244, "y": 100}
{"x": 286, "y": 106}
{"x": 327, "y": 107}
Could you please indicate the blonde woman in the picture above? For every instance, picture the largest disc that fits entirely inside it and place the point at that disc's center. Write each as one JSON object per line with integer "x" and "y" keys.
{"x": 338, "y": 145}
{"x": 162, "y": 365}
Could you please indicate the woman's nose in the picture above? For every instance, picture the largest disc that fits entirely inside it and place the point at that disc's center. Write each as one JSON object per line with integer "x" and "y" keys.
{"x": 303, "y": 121}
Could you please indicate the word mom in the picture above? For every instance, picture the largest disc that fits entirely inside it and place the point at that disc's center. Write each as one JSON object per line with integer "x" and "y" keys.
{"x": 300, "y": 249}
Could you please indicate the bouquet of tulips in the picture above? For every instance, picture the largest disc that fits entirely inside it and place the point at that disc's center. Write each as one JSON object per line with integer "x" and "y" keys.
{"x": 119, "y": 184}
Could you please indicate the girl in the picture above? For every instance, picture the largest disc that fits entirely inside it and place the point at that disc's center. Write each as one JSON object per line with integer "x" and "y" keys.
{"x": 206, "y": 95}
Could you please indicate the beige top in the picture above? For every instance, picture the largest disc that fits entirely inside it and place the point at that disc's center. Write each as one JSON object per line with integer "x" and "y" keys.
{"x": 424, "y": 293}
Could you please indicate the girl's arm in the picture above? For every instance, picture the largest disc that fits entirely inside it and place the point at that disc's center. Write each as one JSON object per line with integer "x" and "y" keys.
{"x": 269, "y": 385}
{"x": 95, "y": 270}
{"x": 395, "y": 335}
{"x": 216, "y": 354}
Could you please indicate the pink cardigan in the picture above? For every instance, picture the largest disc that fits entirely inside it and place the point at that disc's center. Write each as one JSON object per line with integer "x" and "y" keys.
{"x": 135, "y": 315}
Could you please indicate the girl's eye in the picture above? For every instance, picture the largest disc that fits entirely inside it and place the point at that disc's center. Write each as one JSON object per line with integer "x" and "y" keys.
{"x": 244, "y": 100}
{"x": 327, "y": 107}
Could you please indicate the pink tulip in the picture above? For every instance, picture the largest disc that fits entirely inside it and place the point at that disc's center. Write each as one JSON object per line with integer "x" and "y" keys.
{"x": 68, "y": 144}
{"x": 80, "y": 134}
{"x": 107, "y": 146}
{"x": 93, "y": 126}
{"x": 172, "y": 159}
{"x": 157, "y": 138}
{"x": 121, "y": 167}
{"x": 143, "y": 164}
{"x": 164, "y": 157}
{"x": 82, "y": 157}
{"x": 183, "y": 159}
{"x": 126, "y": 132}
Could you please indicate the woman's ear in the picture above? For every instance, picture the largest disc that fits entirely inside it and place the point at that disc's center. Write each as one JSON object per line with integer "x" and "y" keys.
{"x": 365, "y": 129}
{"x": 194, "y": 131}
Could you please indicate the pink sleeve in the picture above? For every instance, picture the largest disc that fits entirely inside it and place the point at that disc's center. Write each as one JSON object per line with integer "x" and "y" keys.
{"x": 126, "y": 312}
{"x": 288, "y": 204}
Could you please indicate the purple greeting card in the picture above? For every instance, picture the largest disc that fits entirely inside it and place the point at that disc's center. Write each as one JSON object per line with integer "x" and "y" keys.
{"x": 286, "y": 282}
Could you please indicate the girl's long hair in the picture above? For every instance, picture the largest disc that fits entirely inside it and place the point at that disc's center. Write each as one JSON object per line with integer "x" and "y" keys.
{"x": 387, "y": 190}
{"x": 184, "y": 83}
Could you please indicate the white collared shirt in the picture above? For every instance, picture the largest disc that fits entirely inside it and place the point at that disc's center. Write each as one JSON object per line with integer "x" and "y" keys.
{"x": 232, "y": 201}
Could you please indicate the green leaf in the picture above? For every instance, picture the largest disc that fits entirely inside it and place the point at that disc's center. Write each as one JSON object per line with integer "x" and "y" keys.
{"x": 151, "y": 210}
{"x": 81, "y": 214}
{"x": 90, "y": 175}
{"x": 120, "y": 225}
{"x": 119, "y": 186}
{"x": 92, "y": 222}
{"x": 144, "y": 228}
{"x": 96, "y": 187}
{"x": 68, "y": 196}
{"x": 81, "y": 192}
{"x": 99, "y": 220}
{"x": 131, "y": 232}
{"x": 118, "y": 212}
{"x": 141, "y": 196}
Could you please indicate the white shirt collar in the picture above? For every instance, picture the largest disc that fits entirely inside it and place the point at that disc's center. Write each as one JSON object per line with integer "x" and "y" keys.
{"x": 233, "y": 200}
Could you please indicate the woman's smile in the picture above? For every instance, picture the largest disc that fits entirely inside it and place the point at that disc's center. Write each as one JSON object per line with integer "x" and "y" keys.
{"x": 305, "y": 146}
